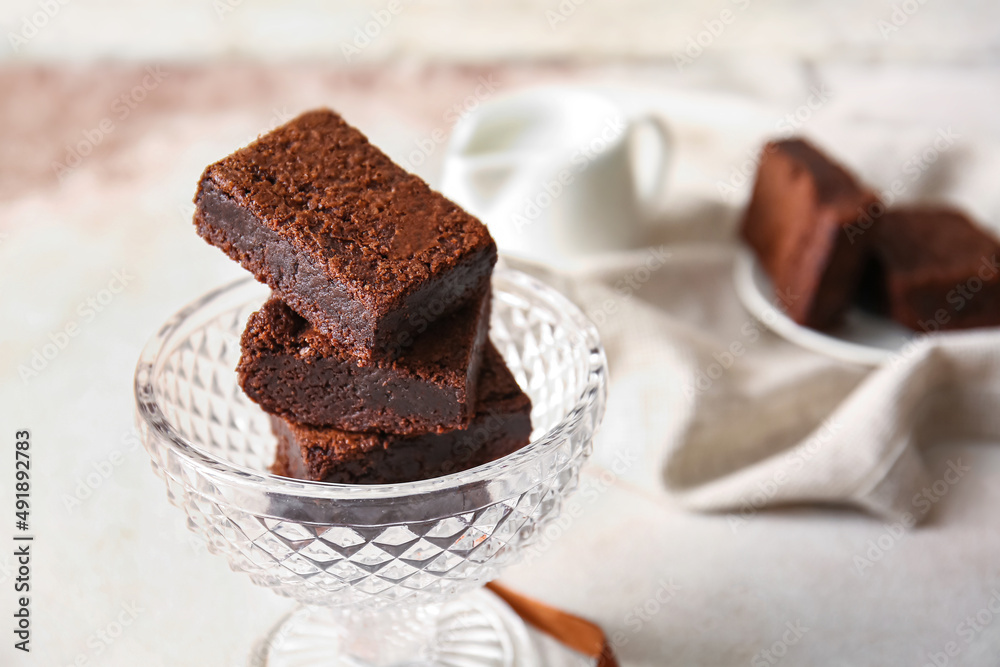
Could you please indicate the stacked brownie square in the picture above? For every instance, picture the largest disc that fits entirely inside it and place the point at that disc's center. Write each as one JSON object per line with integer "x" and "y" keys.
{"x": 802, "y": 206}
{"x": 372, "y": 355}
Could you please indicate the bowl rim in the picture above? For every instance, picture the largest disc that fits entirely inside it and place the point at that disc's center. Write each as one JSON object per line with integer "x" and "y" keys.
{"x": 154, "y": 424}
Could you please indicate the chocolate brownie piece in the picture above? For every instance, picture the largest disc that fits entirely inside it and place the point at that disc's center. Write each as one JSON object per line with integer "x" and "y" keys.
{"x": 502, "y": 425}
{"x": 292, "y": 370}
{"x": 367, "y": 252}
{"x": 805, "y": 222}
{"x": 939, "y": 269}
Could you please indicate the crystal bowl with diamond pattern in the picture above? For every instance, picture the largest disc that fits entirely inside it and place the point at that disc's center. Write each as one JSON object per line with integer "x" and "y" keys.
{"x": 398, "y": 556}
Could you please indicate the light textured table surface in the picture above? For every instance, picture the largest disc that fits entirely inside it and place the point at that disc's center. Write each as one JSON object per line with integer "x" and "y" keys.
{"x": 373, "y": 31}
{"x": 673, "y": 588}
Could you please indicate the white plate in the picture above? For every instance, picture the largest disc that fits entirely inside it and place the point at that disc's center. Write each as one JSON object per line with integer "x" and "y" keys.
{"x": 863, "y": 338}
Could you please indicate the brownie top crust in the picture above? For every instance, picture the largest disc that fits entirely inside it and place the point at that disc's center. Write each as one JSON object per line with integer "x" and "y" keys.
{"x": 933, "y": 240}
{"x": 832, "y": 182}
{"x": 319, "y": 183}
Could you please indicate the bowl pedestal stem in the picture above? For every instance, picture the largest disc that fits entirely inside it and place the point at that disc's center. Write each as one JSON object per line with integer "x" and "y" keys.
{"x": 475, "y": 630}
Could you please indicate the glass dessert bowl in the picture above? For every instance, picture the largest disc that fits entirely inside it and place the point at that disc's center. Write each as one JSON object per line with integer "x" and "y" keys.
{"x": 386, "y": 574}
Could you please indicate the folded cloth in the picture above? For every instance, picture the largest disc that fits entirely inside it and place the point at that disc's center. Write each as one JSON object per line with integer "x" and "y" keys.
{"x": 722, "y": 415}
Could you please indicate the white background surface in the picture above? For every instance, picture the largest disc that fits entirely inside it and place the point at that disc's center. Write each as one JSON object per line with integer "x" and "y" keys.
{"x": 930, "y": 31}
{"x": 735, "y": 586}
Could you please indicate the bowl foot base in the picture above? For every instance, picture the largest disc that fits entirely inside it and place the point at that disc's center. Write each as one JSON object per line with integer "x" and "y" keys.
{"x": 476, "y": 630}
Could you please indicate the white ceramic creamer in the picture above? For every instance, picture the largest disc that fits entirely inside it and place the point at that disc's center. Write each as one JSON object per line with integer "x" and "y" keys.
{"x": 553, "y": 173}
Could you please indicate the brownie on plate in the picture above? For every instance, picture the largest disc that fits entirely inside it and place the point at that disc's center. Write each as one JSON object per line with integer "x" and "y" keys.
{"x": 364, "y": 250}
{"x": 293, "y": 371}
{"x": 938, "y": 269}
{"x": 502, "y": 425}
{"x": 806, "y": 223}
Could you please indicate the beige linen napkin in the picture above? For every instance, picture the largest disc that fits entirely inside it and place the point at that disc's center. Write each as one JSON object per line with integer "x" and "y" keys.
{"x": 726, "y": 416}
